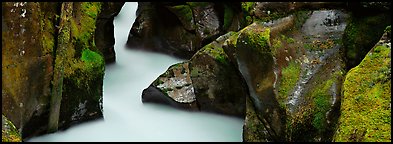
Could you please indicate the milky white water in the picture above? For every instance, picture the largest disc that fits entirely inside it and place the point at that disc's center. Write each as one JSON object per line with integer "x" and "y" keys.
{"x": 126, "y": 118}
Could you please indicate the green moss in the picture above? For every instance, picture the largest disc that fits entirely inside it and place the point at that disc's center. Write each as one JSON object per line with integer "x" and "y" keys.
{"x": 247, "y": 7}
{"x": 259, "y": 38}
{"x": 289, "y": 76}
{"x": 249, "y": 20}
{"x": 365, "y": 108}
{"x": 287, "y": 39}
{"x": 84, "y": 62}
{"x": 232, "y": 40}
{"x": 83, "y": 30}
{"x": 195, "y": 72}
{"x": 9, "y": 133}
{"x": 216, "y": 52}
{"x": 185, "y": 14}
{"x": 321, "y": 98}
{"x": 276, "y": 44}
{"x": 48, "y": 40}
{"x": 91, "y": 9}
{"x": 228, "y": 16}
{"x": 91, "y": 58}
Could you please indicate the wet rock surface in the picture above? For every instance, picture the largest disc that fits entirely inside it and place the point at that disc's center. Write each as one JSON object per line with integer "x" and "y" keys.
{"x": 181, "y": 29}
{"x": 311, "y": 96}
{"x": 207, "y": 82}
{"x": 35, "y": 55}
{"x": 104, "y": 35}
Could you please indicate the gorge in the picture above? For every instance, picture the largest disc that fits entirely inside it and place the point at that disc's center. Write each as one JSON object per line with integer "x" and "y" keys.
{"x": 196, "y": 71}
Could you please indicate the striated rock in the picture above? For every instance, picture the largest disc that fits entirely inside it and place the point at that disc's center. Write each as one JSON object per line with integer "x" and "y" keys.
{"x": 207, "y": 82}
{"x": 309, "y": 70}
{"x": 28, "y": 43}
{"x": 310, "y": 82}
{"x": 250, "y": 49}
{"x": 104, "y": 34}
{"x": 218, "y": 85}
{"x": 181, "y": 29}
{"x": 366, "y": 103}
{"x": 32, "y": 74}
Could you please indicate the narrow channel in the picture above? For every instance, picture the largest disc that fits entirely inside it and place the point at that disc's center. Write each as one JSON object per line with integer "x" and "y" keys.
{"x": 126, "y": 118}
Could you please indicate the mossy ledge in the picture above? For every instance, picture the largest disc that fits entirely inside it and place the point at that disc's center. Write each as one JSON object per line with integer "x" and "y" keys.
{"x": 366, "y": 104}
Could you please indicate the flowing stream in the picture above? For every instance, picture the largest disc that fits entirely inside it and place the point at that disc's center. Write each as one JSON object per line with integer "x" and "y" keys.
{"x": 126, "y": 118}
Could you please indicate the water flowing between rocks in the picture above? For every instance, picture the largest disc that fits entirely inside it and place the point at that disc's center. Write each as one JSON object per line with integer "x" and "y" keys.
{"x": 126, "y": 118}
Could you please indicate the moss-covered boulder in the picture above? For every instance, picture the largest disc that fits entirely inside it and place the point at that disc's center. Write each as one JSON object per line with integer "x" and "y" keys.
{"x": 182, "y": 28}
{"x": 45, "y": 54}
{"x": 305, "y": 83}
{"x": 208, "y": 82}
{"x": 250, "y": 49}
{"x": 9, "y": 133}
{"x": 83, "y": 68}
{"x": 366, "y": 103}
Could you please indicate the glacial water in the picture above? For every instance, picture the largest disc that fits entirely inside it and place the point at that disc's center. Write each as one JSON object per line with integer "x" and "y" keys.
{"x": 127, "y": 119}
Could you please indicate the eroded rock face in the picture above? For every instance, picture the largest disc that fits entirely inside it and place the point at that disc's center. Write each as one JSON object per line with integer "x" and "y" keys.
{"x": 30, "y": 39}
{"x": 181, "y": 29}
{"x": 207, "y": 82}
{"x": 251, "y": 51}
{"x": 309, "y": 69}
{"x": 366, "y": 103}
{"x": 104, "y": 34}
{"x": 293, "y": 67}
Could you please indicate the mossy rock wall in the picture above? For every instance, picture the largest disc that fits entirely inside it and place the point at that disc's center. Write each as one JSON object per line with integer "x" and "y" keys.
{"x": 84, "y": 67}
{"x": 366, "y": 103}
{"x": 29, "y": 44}
{"x": 359, "y": 37}
{"x": 250, "y": 51}
{"x": 104, "y": 34}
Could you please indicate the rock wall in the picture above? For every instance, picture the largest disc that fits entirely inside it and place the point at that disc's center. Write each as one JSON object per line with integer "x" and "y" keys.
{"x": 366, "y": 103}
{"x": 293, "y": 65}
{"x": 182, "y": 28}
{"x": 104, "y": 34}
{"x": 207, "y": 82}
{"x": 43, "y": 55}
